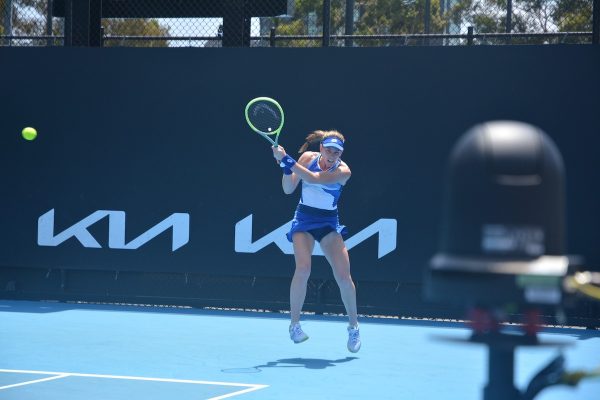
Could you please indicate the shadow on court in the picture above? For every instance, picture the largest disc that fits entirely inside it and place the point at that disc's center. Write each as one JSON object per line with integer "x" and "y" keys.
{"x": 309, "y": 363}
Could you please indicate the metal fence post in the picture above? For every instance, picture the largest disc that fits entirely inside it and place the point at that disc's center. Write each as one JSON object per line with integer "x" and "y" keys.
{"x": 95, "y": 23}
{"x": 596, "y": 22}
{"x": 236, "y": 25}
{"x": 68, "y": 23}
{"x": 326, "y": 22}
{"x": 470, "y": 36}
{"x": 349, "y": 29}
{"x": 426, "y": 20}
{"x": 80, "y": 28}
{"x": 8, "y": 19}
{"x": 509, "y": 10}
{"x": 272, "y": 37}
{"x": 49, "y": 22}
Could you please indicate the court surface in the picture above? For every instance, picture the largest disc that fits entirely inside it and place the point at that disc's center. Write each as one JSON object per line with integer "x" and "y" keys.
{"x": 68, "y": 351}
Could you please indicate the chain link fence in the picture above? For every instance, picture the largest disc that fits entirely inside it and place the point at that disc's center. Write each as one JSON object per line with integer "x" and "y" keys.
{"x": 296, "y": 23}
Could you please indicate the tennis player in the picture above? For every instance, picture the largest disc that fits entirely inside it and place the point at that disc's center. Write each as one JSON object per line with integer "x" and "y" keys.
{"x": 323, "y": 175}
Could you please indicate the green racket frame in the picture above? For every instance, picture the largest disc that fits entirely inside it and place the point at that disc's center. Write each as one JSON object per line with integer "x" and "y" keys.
{"x": 266, "y": 135}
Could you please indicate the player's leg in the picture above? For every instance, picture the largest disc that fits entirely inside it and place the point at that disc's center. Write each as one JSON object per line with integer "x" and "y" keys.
{"x": 337, "y": 254}
{"x": 304, "y": 244}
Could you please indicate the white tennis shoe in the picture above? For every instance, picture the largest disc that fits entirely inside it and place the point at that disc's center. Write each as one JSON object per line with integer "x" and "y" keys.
{"x": 353, "y": 339}
{"x": 297, "y": 334}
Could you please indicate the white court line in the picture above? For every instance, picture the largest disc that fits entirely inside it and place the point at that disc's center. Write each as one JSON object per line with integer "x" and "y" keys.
{"x": 34, "y": 381}
{"x": 250, "y": 387}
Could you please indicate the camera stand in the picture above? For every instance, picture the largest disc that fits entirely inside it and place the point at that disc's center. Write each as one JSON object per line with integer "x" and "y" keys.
{"x": 501, "y": 346}
{"x": 501, "y": 363}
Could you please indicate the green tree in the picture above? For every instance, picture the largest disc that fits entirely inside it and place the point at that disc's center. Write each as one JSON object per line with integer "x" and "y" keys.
{"x": 307, "y": 14}
{"x": 3, "y": 5}
{"x": 398, "y": 17}
{"x": 485, "y": 16}
{"x": 405, "y": 17}
{"x": 134, "y": 27}
{"x": 528, "y": 16}
{"x": 538, "y": 14}
{"x": 573, "y": 15}
{"x": 299, "y": 23}
{"x": 371, "y": 17}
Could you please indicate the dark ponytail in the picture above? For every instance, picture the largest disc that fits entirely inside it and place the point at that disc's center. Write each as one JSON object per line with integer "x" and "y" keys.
{"x": 317, "y": 137}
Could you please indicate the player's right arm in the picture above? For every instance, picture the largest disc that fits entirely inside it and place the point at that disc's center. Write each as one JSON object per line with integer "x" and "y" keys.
{"x": 290, "y": 182}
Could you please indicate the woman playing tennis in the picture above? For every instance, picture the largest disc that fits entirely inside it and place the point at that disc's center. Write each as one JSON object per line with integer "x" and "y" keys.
{"x": 323, "y": 174}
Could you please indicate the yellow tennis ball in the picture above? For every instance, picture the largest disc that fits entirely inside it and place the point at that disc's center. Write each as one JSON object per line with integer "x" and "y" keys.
{"x": 29, "y": 133}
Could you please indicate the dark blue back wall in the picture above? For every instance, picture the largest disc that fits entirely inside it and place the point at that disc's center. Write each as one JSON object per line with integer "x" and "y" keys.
{"x": 152, "y": 132}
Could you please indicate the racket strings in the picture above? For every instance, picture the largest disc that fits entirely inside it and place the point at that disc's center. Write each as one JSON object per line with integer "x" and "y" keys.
{"x": 265, "y": 117}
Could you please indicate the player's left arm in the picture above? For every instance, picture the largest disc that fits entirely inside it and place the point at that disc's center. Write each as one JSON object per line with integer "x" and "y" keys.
{"x": 340, "y": 175}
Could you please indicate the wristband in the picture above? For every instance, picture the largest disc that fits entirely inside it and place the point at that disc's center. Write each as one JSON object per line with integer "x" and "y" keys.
{"x": 287, "y": 171}
{"x": 287, "y": 161}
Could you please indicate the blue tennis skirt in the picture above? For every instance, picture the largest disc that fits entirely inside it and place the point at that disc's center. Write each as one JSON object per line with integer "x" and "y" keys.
{"x": 308, "y": 219}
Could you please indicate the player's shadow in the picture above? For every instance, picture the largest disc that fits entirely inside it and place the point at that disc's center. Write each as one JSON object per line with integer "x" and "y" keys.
{"x": 310, "y": 363}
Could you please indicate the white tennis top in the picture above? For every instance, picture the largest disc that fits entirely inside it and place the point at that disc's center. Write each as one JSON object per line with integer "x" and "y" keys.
{"x": 319, "y": 195}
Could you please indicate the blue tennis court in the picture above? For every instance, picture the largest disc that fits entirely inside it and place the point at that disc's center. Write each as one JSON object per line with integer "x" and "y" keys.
{"x": 94, "y": 351}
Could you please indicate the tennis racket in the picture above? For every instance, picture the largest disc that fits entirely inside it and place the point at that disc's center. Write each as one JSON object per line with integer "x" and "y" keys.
{"x": 265, "y": 117}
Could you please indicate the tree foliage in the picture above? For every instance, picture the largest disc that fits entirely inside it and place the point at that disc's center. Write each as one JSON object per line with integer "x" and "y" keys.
{"x": 381, "y": 17}
{"x": 370, "y": 17}
{"x": 574, "y": 15}
{"x": 534, "y": 16}
{"x": 135, "y": 27}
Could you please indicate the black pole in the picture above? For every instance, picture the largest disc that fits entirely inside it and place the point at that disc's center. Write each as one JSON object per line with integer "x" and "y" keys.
{"x": 96, "y": 23}
{"x": 349, "y": 29}
{"x": 509, "y": 10}
{"x": 80, "y": 27}
{"x": 427, "y": 19}
{"x": 272, "y": 37}
{"x": 8, "y": 20}
{"x": 470, "y": 36}
{"x": 68, "y": 23}
{"x": 49, "y": 22}
{"x": 236, "y": 25}
{"x": 596, "y": 22}
{"x": 501, "y": 368}
{"x": 246, "y": 28}
{"x": 326, "y": 22}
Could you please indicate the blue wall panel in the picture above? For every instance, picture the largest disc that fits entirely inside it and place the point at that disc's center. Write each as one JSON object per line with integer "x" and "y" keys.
{"x": 147, "y": 134}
